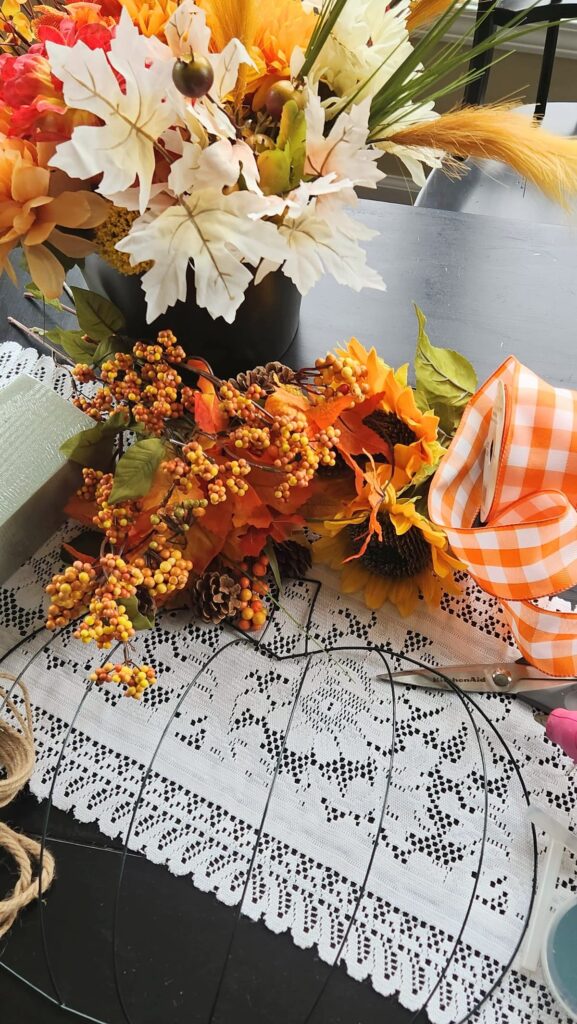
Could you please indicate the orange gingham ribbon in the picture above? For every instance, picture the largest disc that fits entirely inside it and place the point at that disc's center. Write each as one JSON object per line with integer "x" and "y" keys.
{"x": 527, "y": 548}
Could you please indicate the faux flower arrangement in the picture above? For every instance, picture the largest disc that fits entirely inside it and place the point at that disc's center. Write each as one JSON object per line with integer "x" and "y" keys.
{"x": 227, "y": 136}
{"x": 205, "y": 503}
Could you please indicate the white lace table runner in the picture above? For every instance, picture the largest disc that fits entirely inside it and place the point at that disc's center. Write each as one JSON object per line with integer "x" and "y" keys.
{"x": 204, "y": 797}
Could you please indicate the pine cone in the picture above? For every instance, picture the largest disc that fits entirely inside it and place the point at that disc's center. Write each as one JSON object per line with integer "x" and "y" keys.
{"x": 267, "y": 377}
{"x": 216, "y": 596}
{"x": 294, "y": 560}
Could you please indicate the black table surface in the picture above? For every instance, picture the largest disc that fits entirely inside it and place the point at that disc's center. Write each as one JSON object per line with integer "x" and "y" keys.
{"x": 490, "y": 288}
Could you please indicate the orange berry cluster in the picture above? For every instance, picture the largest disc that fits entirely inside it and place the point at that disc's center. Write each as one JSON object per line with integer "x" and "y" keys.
{"x": 298, "y": 454}
{"x": 135, "y": 678}
{"x": 69, "y": 593}
{"x": 114, "y": 520}
{"x": 234, "y": 472}
{"x": 166, "y": 348}
{"x": 200, "y": 464}
{"x": 90, "y": 480}
{"x": 253, "y": 614}
{"x": 96, "y": 407}
{"x": 145, "y": 380}
{"x": 298, "y": 450}
{"x": 343, "y": 376}
{"x": 160, "y": 398}
{"x": 122, "y": 380}
{"x": 240, "y": 405}
{"x": 107, "y": 619}
{"x": 168, "y": 575}
{"x": 83, "y": 373}
{"x": 257, "y": 439}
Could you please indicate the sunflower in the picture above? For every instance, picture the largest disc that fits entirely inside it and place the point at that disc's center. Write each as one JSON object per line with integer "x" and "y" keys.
{"x": 390, "y": 411}
{"x": 386, "y": 549}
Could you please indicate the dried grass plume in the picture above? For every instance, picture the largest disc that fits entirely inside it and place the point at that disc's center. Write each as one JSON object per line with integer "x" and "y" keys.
{"x": 500, "y": 133}
{"x": 424, "y": 11}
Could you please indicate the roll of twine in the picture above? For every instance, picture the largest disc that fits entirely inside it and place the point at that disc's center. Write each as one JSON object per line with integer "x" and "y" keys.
{"x": 17, "y": 764}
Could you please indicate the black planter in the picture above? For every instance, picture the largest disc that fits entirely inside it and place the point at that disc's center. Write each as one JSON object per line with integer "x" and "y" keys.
{"x": 264, "y": 328}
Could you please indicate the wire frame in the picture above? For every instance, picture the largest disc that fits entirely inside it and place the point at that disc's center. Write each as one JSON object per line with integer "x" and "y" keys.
{"x": 386, "y": 659}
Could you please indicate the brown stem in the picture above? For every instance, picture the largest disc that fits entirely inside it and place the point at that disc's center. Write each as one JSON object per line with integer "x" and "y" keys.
{"x": 40, "y": 343}
{"x": 65, "y": 309}
{"x": 255, "y": 465}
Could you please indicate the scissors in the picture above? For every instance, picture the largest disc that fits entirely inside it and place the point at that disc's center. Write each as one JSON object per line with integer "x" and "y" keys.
{"x": 516, "y": 679}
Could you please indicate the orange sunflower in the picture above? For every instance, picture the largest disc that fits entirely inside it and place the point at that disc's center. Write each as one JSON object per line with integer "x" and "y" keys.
{"x": 391, "y": 412}
{"x": 386, "y": 549}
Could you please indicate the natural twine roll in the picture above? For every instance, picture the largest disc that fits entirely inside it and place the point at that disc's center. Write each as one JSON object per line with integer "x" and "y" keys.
{"x": 17, "y": 763}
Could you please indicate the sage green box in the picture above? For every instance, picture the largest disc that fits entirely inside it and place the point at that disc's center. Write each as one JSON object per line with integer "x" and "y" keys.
{"x": 35, "y": 478}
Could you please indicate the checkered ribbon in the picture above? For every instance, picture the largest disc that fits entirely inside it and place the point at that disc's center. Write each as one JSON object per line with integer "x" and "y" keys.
{"x": 527, "y": 549}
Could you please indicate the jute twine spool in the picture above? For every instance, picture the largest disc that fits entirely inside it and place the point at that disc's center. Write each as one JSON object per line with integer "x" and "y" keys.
{"x": 17, "y": 763}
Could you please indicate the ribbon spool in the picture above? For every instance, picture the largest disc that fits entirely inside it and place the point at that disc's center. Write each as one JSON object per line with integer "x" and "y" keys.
{"x": 514, "y": 459}
{"x": 17, "y": 763}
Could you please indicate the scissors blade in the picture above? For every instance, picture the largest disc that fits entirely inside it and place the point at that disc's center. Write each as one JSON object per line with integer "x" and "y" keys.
{"x": 509, "y": 677}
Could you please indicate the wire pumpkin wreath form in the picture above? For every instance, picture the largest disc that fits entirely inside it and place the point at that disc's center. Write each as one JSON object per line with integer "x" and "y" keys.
{"x": 307, "y": 655}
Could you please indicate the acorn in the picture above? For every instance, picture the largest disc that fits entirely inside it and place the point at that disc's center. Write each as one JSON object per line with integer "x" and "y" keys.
{"x": 279, "y": 94}
{"x": 194, "y": 77}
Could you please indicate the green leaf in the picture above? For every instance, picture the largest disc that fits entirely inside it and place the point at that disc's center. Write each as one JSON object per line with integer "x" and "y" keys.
{"x": 93, "y": 446}
{"x": 423, "y": 474}
{"x": 73, "y": 343}
{"x": 445, "y": 379}
{"x": 108, "y": 347}
{"x": 330, "y": 12}
{"x": 135, "y": 470}
{"x": 282, "y": 169}
{"x": 138, "y": 620}
{"x": 98, "y": 318}
{"x": 31, "y": 289}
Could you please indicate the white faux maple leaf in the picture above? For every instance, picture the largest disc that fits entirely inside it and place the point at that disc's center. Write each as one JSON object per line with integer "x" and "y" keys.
{"x": 344, "y": 152}
{"x": 319, "y": 243}
{"x": 123, "y": 147}
{"x": 216, "y": 234}
{"x": 187, "y": 32}
{"x": 217, "y": 166}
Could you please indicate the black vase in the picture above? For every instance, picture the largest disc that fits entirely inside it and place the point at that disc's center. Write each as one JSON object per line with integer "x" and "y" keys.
{"x": 263, "y": 330}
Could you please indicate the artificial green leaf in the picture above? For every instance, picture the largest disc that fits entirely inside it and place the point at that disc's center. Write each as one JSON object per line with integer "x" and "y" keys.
{"x": 98, "y": 317}
{"x": 425, "y": 471}
{"x": 108, "y": 347}
{"x": 135, "y": 470}
{"x": 33, "y": 290}
{"x": 73, "y": 343}
{"x": 137, "y": 618}
{"x": 93, "y": 447}
{"x": 282, "y": 168}
{"x": 445, "y": 379}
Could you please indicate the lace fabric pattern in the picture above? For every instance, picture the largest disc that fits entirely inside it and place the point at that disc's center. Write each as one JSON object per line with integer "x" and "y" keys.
{"x": 184, "y": 776}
